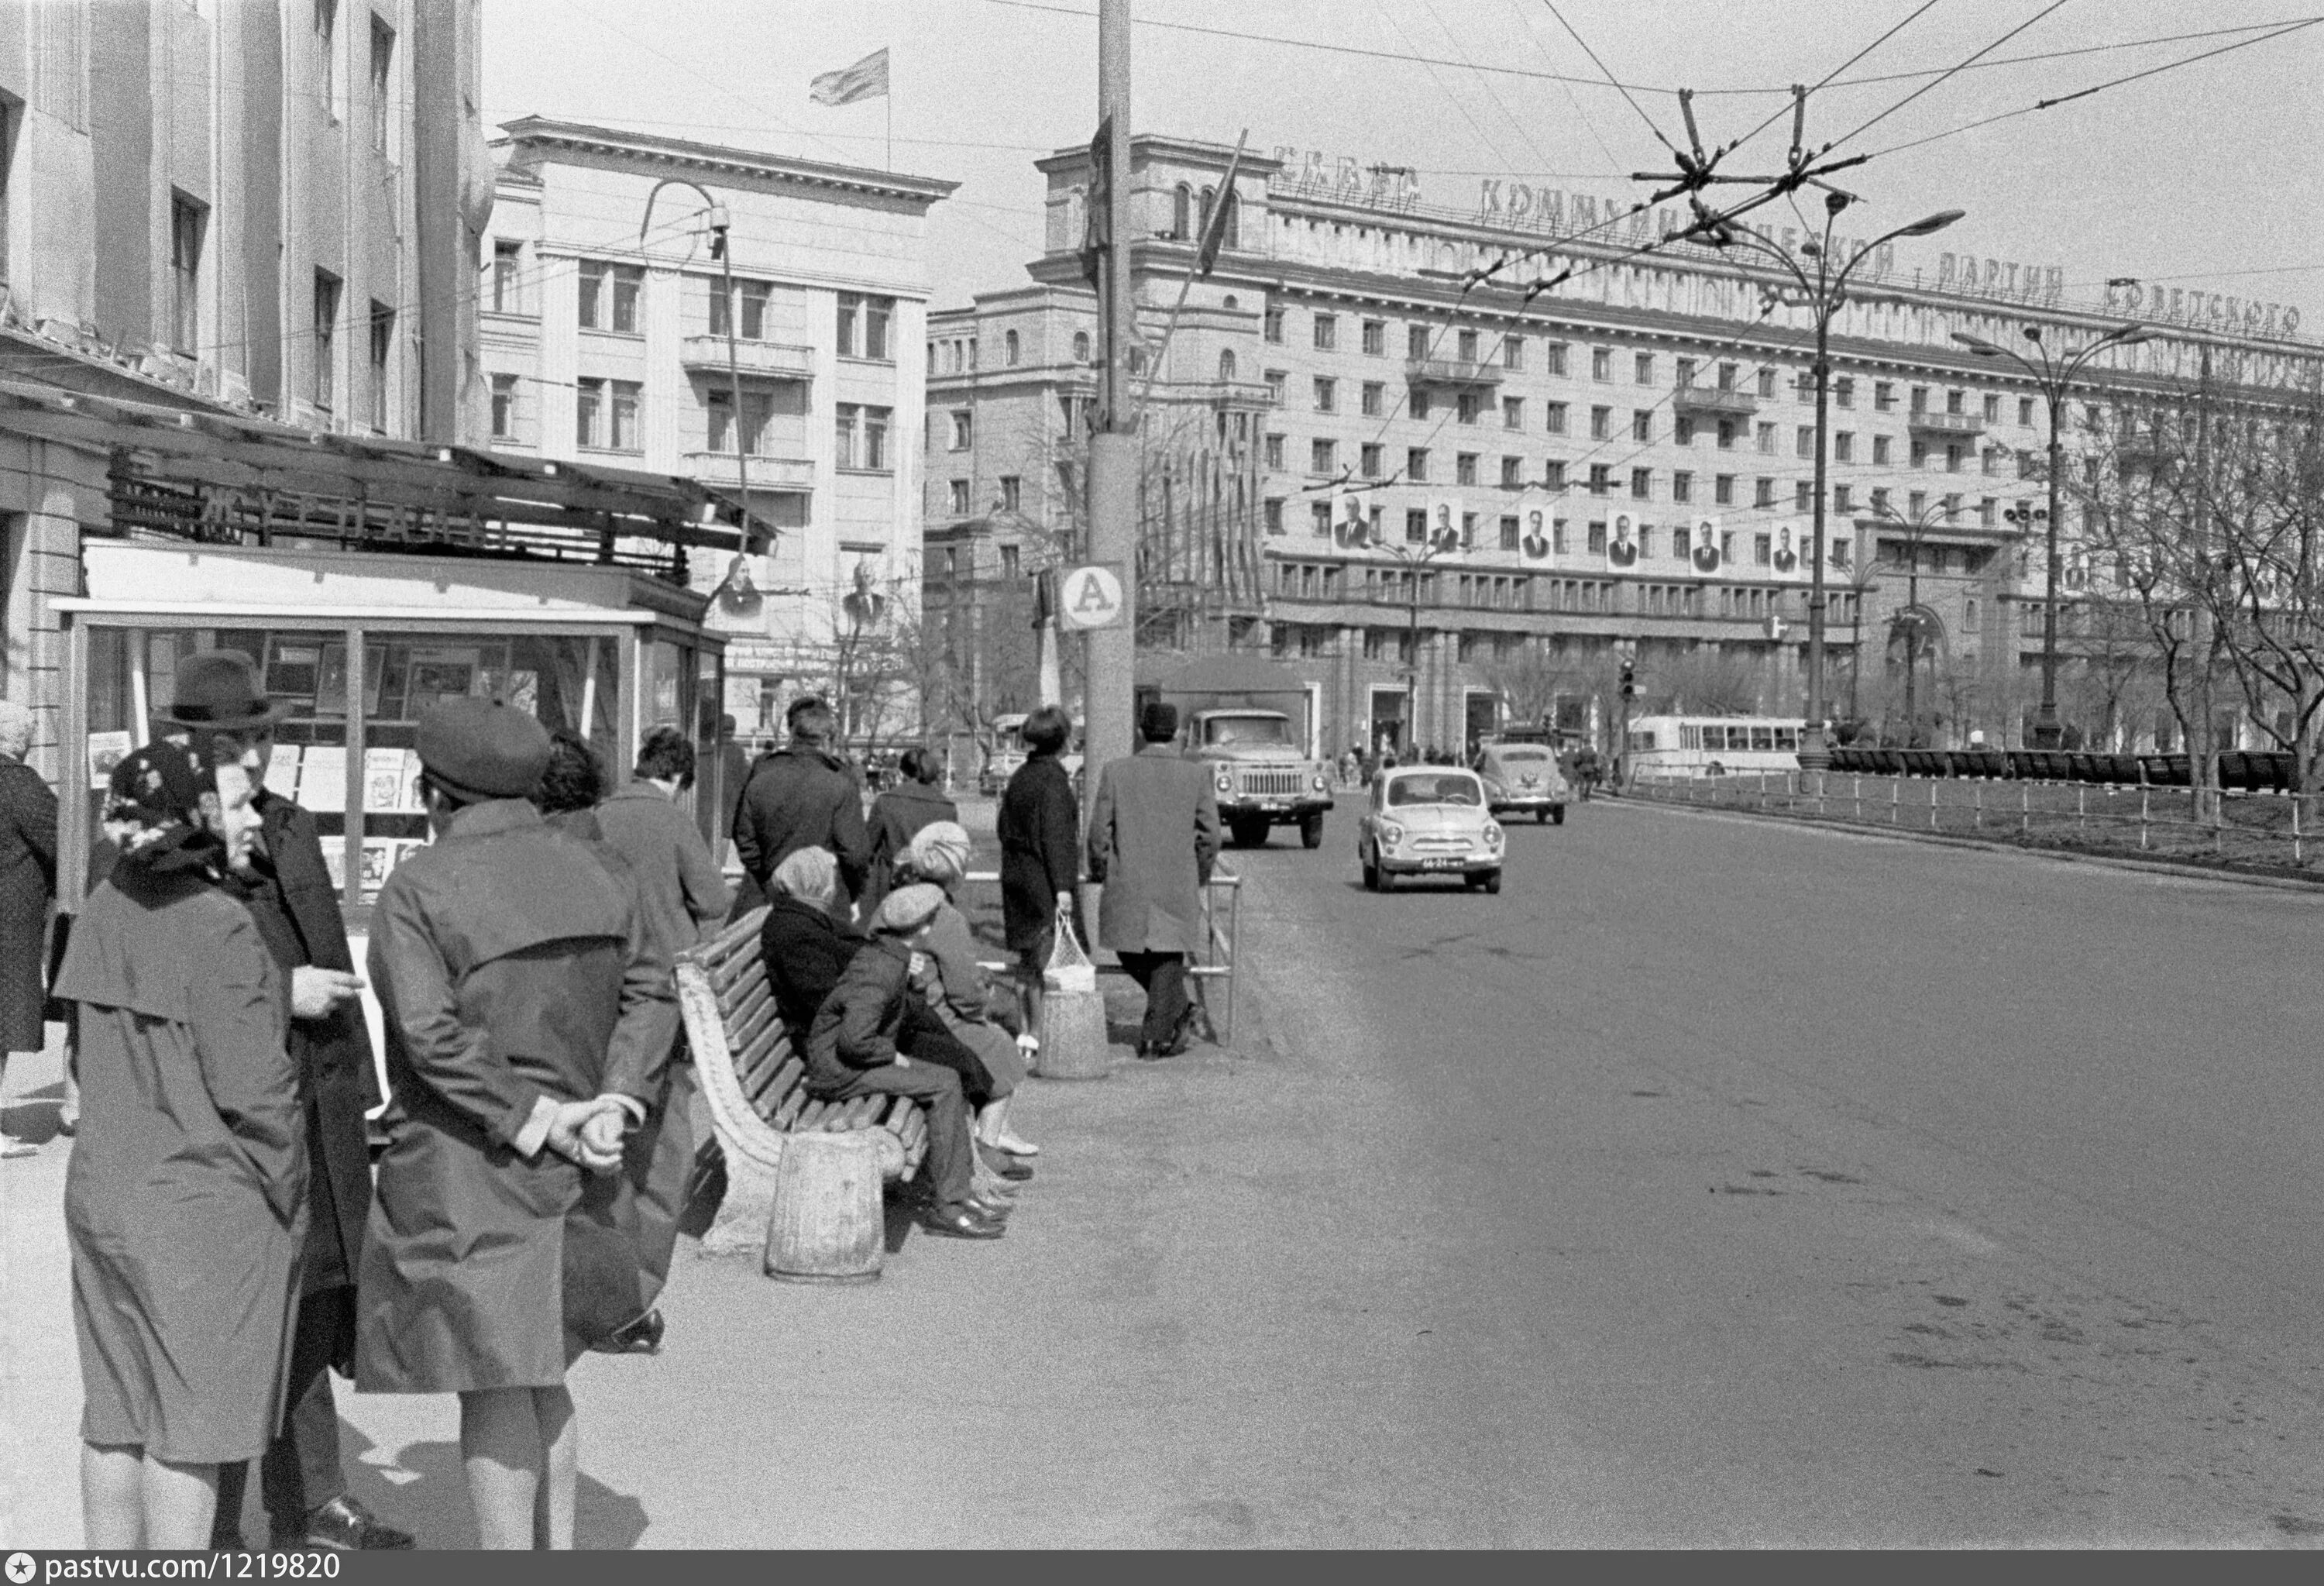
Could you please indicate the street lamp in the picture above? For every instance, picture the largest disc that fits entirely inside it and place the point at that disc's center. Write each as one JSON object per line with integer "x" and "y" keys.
{"x": 1915, "y": 526}
{"x": 1823, "y": 296}
{"x": 2051, "y": 373}
{"x": 1437, "y": 545}
{"x": 720, "y": 251}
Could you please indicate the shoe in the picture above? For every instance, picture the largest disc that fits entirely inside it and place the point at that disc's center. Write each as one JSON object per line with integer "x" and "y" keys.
{"x": 1001, "y": 1163}
{"x": 990, "y": 1207}
{"x": 959, "y": 1221}
{"x": 10, "y": 1150}
{"x": 1015, "y": 1147}
{"x": 344, "y": 1523}
{"x": 641, "y": 1337}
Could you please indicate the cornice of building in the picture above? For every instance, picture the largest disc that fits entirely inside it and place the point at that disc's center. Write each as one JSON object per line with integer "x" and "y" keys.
{"x": 1147, "y": 147}
{"x": 531, "y": 139}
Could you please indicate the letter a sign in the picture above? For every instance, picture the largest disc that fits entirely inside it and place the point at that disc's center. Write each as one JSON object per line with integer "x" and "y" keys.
{"x": 1089, "y": 597}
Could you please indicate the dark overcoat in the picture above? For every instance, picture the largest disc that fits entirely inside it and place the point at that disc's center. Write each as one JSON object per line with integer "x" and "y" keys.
{"x": 515, "y": 972}
{"x": 185, "y": 1201}
{"x": 28, "y": 884}
{"x": 897, "y": 817}
{"x": 1154, "y": 835}
{"x": 1039, "y": 827}
{"x": 801, "y": 798}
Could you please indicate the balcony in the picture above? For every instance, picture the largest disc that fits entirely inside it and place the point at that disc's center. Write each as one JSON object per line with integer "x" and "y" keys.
{"x": 768, "y": 360}
{"x": 1453, "y": 372}
{"x": 790, "y": 473}
{"x": 1944, "y": 425}
{"x": 1719, "y": 401}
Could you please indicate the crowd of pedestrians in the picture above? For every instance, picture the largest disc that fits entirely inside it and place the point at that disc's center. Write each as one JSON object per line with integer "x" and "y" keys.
{"x": 237, "y": 1234}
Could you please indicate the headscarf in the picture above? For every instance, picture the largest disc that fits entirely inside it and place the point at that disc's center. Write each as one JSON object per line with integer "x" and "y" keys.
{"x": 811, "y": 875}
{"x": 155, "y": 808}
{"x": 938, "y": 852}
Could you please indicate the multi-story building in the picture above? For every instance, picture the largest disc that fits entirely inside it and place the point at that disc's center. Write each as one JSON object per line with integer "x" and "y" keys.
{"x": 1491, "y": 449}
{"x": 610, "y": 336}
{"x": 267, "y": 207}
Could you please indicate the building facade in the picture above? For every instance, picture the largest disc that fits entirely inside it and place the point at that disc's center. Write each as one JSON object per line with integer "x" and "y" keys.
{"x": 259, "y": 207}
{"x": 1497, "y": 451}
{"x": 611, "y": 338}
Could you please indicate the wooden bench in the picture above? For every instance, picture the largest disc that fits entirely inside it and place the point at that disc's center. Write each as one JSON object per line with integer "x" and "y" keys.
{"x": 756, "y": 1085}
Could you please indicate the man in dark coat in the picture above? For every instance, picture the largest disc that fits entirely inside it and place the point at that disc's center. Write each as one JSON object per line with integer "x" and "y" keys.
{"x": 28, "y": 885}
{"x": 1154, "y": 835}
{"x": 804, "y": 797}
{"x": 528, "y": 1017}
{"x": 287, "y": 887}
{"x": 898, "y": 816}
{"x": 1039, "y": 827}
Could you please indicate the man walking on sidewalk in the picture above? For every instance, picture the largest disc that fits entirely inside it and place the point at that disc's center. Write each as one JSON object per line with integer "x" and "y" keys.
{"x": 1154, "y": 835}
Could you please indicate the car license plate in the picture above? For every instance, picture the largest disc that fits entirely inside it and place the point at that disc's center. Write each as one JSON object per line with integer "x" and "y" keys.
{"x": 1440, "y": 865}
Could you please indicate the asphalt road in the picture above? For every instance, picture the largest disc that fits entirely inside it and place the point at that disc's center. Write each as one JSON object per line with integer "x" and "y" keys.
{"x": 1719, "y": 1182}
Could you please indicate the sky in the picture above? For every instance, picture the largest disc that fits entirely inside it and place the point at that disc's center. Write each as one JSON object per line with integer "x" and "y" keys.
{"x": 2197, "y": 175}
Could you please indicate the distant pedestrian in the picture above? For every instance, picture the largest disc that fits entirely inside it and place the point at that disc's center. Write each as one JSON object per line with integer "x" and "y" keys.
{"x": 1352, "y": 765}
{"x": 734, "y": 772}
{"x": 27, "y": 890}
{"x": 803, "y": 796}
{"x": 572, "y": 787}
{"x": 527, "y": 1014}
{"x": 185, "y": 1201}
{"x": 898, "y": 815}
{"x": 1039, "y": 827}
{"x": 1154, "y": 835}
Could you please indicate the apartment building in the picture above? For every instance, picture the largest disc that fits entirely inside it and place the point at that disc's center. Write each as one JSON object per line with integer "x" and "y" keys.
{"x": 610, "y": 335}
{"x": 1472, "y": 497}
{"x": 267, "y": 207}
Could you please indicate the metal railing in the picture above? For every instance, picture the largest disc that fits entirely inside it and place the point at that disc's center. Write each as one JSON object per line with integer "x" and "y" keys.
{"x": 2276, "y": 830}
{"x": 1214, "y": 961}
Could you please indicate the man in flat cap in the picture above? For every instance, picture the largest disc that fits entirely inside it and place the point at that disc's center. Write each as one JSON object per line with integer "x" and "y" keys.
{"x": 1154, "y": 835}
{"x": 286, "y": 885}
{"x": 527, "y": 1012}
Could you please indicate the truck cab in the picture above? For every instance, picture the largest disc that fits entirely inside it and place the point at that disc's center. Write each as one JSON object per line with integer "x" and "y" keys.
{"x": 1261, "y": 778}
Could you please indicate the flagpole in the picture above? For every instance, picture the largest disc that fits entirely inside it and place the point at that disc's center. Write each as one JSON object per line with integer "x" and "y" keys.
{"x": 890, "y": 99}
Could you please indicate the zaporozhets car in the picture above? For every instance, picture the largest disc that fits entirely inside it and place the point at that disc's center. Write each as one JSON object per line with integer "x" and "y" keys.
{"x": 1429, "y": 821}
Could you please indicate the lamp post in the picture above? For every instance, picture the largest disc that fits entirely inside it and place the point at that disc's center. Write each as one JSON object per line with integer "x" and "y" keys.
{"x": 1437, "y": 545}
{"x": 2053, "y": 374}
{"x": 1915, "y": 527}
{"x": 720, "y": 251}
{"x": 1822, "y": 295}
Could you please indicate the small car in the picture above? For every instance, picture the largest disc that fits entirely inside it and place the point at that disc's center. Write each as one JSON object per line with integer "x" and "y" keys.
{"x": 1523, "y": 779}
{"x": 1425, "y": 821}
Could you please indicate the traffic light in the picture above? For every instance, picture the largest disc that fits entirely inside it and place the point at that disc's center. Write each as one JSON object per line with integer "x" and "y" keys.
{"x": 1629, "y": 679}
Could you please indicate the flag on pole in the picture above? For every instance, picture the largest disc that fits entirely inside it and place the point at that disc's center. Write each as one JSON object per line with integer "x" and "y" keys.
{"x": 1214, "y": 233}
{"x": 866, "y": 79}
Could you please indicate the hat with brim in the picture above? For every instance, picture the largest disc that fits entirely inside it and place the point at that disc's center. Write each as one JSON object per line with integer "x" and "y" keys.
{"x": 480, "y": 749}
{"x": 907, "y": 908}
{"x": 218, "y": 691}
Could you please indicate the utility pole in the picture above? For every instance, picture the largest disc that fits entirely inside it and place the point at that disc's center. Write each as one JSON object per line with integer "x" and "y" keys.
{"x": 1111, "y": 658}
{"x": 2202, "y": 753}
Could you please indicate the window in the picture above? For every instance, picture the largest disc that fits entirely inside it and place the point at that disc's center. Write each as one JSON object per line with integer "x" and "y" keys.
{"x": 588, "y": 413}
{"x": 864, "y": 323}
{"x": 1723, "y": 490}
{"x": 1880, "y": 498}
{"x": 1323, "y": 457}
{"x": 507, "y": 261}
{"x": 1920, "y": 453}
{"x": 382, "y": 86}
{"x": 1642, "y": 424}
{"x": 1182, "y": 212}
{"x": 1843, "y": 499}
{"x": 1726, "y": 435}
{"x": 1556, "y": 412}
{"x": 956, "y": 501}
{"x": 1601, "y": 423}
{"x": 1375, "y": 399}
{"x": 1327, "y": 332}
{"x": 1464, "y": 468}
{"x": 1369, "y": 460}
{"x": 1805, "y": 442}
{"x": 1602, "y": 479}
{"x": 1327, "y": 394}
{"x": 1080, "y": 346}
{"x": 1277, "y": 381}
{"x": 1009, "y": 566}
{"x": 1273, "y": 323}
{"x": 1375, "y": 337}
{"x": 1763, "y": 493}
{"x": 1011, "y": 349}
{"x": 1764, "y": 435}
{"x": 1987, "y": 513}
{"x": 1601, "y": 363}
{"x": 1642, "y": 368}
{"x": 1415, "y": 526}
{"x": 1991, "y": 460}
{"x": 1013, "y": 493}
{"x": 1681, "y": 485}
{"x": 1597, "y": 539}
{"x": 1767, "y": 383}
{"x": 1843, "y": 445}
{"x": 1275, "y": 452}
{"x": 1843, "y": 391}
{"x": 326, "y": 59}
{"x": 1992, "y": 409}
{"x": 1727, "y": 376}
{"x": 1552, "y": 475}
{"x": 1416, "y": 342}
{"x": 1559, "y": 531}
{"x": 752, "y": 297}
{"x": 1880, "y": 451}
{"x": 1803, "y": 496}
{"x": 1553, "y": 357}
{"x": 1642, "y": 484}
{"x": 1465, "y": 407}
{"x": 1953, "y": 506}
{"x": 1952, "y": 460}
{"x": 1683, "y": 430}
{"x": 1956, "y": 403}
{"x": 609, "y": 296}
{"x": 1512, "y": 531}
{"x": 1763, "y": 550}
{"x": 1512, "y": 351}
{"x": 1920, "y": 400}
{"x": 503, "y": 407}
{"x": 1512, "y": 473}
{"x": 1416, "y": 404}
{"x": 1415, "y": 465}
{"x": 1513, "y": 412}
{"x": 863, "y": 438}
{"x": 1467, "y": 344}
{"x": 1680, "y": 540}
{"x": 1884, "y": 396}
{"x": 383, "y": 352}
{"x": 1916, "y": 504}
{"x": 963, "y": 429}
{"x": 327, "y": 322}
{"x": 2025, "y": 412}
{"x": 1226, "y": 365}
{"x": 1319, "y": 519}
{"x": 187, "y": 222}
{"x": 1275, "y": 514}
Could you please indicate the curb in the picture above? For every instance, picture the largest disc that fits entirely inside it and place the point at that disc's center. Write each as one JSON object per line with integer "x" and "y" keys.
{"x": 1979, "y": 845}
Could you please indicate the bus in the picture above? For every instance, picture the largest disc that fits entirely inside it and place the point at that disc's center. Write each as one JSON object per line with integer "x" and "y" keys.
{"x": 1711, "y": 746}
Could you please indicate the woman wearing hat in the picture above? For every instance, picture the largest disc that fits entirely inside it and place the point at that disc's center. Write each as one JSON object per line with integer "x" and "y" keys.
{"x": 956, "y": 987}
{"x": 898, "y": 816}
{"x": 186, "y": 1199}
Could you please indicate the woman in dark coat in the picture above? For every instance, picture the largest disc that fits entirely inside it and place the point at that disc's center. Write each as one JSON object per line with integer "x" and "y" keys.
{"x": 28, "y": 882}
{"x": 186, "y": 1199}
{"x": 1040, "y": 832}
{"x": 897, "y": 817}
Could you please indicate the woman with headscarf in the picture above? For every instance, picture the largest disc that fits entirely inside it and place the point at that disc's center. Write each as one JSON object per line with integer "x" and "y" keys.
{"x": 186, "y": 1199}
{"x": 955, "y": 986}
{"x": 898, "y": 817}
